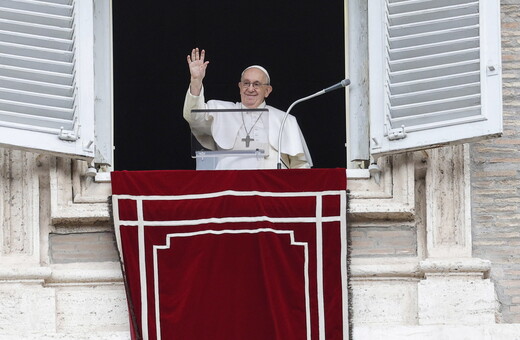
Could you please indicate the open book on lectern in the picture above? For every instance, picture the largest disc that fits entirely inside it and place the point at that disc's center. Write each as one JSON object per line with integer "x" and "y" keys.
{"x": 226, "y": 139}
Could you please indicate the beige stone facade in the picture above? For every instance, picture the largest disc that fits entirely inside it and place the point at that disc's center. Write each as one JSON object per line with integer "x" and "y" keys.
{"x": 435, "y": 240}
{"x": 495, "y": 181}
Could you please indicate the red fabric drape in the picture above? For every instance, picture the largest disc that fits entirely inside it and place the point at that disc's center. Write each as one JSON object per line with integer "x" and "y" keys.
{"x": 254, "y": 254}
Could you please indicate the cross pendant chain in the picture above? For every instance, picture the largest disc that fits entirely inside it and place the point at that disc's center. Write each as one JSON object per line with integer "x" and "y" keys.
{"x": 248, "y": 140}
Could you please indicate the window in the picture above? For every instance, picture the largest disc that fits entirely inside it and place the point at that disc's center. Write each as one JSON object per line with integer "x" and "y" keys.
{"x": 50, "y": 99}
{"x": 151, "y": 75}
{"x": 435, "y": 73}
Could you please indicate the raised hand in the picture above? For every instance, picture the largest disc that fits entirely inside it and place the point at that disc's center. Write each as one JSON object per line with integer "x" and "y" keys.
{"x": 197, "y": 67}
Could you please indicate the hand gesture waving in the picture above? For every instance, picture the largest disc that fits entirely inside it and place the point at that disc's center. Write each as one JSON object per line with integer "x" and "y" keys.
{"x": 197, "y": 67}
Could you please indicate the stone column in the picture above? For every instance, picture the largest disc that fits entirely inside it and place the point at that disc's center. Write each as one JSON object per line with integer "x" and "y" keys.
{"x": 456, "y": 288}
{"x": 24, "y": 302}
{"x": 19, "y": 207}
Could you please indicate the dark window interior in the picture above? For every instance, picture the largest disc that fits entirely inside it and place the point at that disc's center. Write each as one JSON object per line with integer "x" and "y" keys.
{"x": 301, "y": 43}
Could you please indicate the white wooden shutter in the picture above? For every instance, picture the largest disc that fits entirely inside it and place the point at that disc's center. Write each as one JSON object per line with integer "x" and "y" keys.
{"x": 435, "y": 73}
{"x": 46, "y": 76}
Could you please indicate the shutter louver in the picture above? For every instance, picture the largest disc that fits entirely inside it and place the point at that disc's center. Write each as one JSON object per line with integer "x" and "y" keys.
{"x": 47, "y": 91}
{"x": 422, "y": 51}
{"x": 37, "y": 65}
{"x": 432, "y": 70}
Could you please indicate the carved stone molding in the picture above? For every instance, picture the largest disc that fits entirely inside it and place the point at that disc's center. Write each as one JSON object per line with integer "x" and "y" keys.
{"x": 76, "y": 199}
{"x": 448, "y": 220}
{"x": 390, "y": 198}
{"x": 469, "y": 267}
{"x": 19, "y": 207}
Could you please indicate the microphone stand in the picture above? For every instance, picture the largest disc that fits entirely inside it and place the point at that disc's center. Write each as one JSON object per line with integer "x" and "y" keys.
{"x": 343, "y": 83}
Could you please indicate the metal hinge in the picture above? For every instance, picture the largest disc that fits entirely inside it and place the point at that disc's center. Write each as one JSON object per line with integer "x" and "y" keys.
{"x": 68, "y": 135}
{"x": 397, "y": 134}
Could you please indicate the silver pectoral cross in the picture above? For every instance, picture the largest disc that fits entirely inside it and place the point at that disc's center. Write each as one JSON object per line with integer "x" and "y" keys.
{"x": 248, "y": 140}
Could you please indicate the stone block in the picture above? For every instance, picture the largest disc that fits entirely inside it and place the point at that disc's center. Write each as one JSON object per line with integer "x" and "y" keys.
{"x": 26, "y": 308}
{"x": 91, "y": 309}
{"x": 384, "y": 301}
{"x": 456, "y": 300}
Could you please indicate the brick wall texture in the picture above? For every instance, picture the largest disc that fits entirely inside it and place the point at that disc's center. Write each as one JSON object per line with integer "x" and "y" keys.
{"x": 495, "y": 176}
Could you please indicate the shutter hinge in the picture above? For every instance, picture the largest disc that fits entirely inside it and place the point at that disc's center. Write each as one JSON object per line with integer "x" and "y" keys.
{"x": 397, "y": 134}
{"x": 70, "y": 136}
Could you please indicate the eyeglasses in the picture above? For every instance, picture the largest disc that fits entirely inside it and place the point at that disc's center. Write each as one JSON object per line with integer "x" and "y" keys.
{"x": 256, "y": 84}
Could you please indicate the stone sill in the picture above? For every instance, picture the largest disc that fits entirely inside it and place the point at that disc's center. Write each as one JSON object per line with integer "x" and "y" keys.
{"x": 81, "y": 273}
{"x": 430, "y": 268}
{"x": 122, "y": 335}
{"x": 64, "y": 274}
{"x": 390, "y": 196}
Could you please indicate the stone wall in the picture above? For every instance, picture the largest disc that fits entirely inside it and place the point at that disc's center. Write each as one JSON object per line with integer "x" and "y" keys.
{"x": 60, "y": 276}
{"x": 419, "y": 268}
{"x": 495, "y": 179}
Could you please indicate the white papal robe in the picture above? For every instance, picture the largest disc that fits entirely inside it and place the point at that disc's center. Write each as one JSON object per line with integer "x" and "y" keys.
{"x": 227, "y": 131}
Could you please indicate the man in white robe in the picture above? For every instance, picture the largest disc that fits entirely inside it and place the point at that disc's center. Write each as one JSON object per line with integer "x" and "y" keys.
{"x": 243, "y": 130}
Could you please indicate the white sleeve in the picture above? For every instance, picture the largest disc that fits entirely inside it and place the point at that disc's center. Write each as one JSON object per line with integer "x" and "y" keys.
{"x": 200, "y": 123}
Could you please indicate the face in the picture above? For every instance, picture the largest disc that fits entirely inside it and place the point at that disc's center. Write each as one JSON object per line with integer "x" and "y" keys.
{"x": 251, "y": 97}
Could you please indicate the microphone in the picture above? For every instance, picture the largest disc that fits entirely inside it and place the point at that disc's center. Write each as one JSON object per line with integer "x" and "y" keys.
{"x": 341, "y": 84}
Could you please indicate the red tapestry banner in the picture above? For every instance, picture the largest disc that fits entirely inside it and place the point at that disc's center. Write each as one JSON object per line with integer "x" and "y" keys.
{"x": 225, "y": 255}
